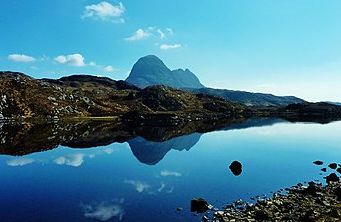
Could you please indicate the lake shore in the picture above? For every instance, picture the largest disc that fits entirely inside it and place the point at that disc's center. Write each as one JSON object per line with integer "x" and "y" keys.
{"x": 314, "y": 202}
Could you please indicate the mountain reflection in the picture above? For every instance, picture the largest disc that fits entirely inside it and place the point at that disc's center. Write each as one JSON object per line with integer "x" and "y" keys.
{"x": 148, "y": 144}
{"x": 151, "y": 153}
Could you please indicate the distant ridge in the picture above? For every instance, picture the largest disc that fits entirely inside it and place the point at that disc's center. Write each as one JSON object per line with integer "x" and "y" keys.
{"x": 334, "y": 103}
{"x": 249, "y": 98}
{"x": 150, "y": 70}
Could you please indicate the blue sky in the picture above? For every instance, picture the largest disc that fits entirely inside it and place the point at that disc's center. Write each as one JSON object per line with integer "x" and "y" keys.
{"x": 283, "y": 47}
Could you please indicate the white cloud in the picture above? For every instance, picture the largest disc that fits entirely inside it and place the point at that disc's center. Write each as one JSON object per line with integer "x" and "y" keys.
{"x": 108, "y": 69}
{"x": 21, "y": 58}
{"x": 162, "y": 34}
{"x": 166, "y": 173}
{"x": 78, "y": 60}
{"x": 92, "y": 64}
{"x": 72, "y": 60}
{"x": 139, "y": 185}
{"x": 74, "y": 160}
{"x": 167, "y": 47}
{"x": 22, "y": 161}
{"x": 150, "y": 31}
{"x": 139, "y": 35}
{"x": 103, "y": 211}
{"x": 105, "y": 11}
{"x": 170, "y": 31}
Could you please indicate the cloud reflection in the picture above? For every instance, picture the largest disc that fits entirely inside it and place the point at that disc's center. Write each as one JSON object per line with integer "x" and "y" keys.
{"x": 166, "y": 173}
{"x": 21, "y": 161}
{"x": 162, "y": 186}
{"x": 139, "y": 185}
{"x": 103, "y": 211}
{"x": 74, "y": 160}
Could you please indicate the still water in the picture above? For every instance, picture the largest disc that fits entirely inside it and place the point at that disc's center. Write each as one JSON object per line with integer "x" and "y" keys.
{"x": 141, "y": 180}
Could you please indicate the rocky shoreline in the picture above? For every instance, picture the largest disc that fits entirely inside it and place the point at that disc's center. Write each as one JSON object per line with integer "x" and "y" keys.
{"x": 308, "y": 202}
{"x": 314, "y": 202}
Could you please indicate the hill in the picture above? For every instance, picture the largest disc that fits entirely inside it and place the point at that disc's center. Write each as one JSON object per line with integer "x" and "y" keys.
{"x": 22, "y": 96}
{"x": 248, "y": 98}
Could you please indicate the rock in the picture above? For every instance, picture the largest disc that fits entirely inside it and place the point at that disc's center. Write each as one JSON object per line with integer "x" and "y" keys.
{"x": 205, "y": 218}
{"x": 324, "y": 169}
{"x": 332, "y": 166}
{"x": 309, "y": 216}
{"x": 339, "y": 170}
{"x": 261, "y": 215}
{"x": 332, "y": 178}
{"x": 335, "y": 213}
{"x": 199, "y": 205}
{"x": 236, "y": 168}
{"x": 318, "y": 162}
{"x": 219, "y": 214}
{"x": 312, "y": 189}
{"x": 337, "y": 193}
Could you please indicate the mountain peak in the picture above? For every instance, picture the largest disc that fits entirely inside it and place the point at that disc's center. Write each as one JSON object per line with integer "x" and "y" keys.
{"x": 152, "y": 57}
{"x": 150, "y": 70}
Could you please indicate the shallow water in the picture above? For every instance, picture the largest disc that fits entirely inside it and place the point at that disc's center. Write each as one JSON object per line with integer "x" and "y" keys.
{"x": 141, "y": 180}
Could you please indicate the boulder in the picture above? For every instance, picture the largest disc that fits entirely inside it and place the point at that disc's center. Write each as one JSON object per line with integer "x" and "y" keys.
{"x": 332, "y": 166}
{"x": 337, "y": 192}
{"x": 312, "y": 189}
{"x": 318, "y": 162}
{"x": 199, "y": 205}
{"x": 236, "y": 168}
{"x": 332, "y": 178}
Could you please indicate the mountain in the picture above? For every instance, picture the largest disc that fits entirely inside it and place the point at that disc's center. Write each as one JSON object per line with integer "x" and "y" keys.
{"x": 150, "y": 70}
{"x": 248, "y": 98}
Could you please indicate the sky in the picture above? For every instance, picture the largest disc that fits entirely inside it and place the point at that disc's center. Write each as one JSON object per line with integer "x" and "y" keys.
{"x": 281, "y": 47}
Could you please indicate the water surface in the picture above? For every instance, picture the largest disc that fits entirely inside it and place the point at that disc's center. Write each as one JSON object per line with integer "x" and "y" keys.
{"x": 144, "y": 180}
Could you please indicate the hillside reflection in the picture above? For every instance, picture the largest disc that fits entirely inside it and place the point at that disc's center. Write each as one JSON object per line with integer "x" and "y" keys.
{"x": 148, "y": 144}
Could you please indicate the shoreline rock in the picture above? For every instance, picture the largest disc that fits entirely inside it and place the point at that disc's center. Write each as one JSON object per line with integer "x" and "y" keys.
{"x": 314, "y": 202}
